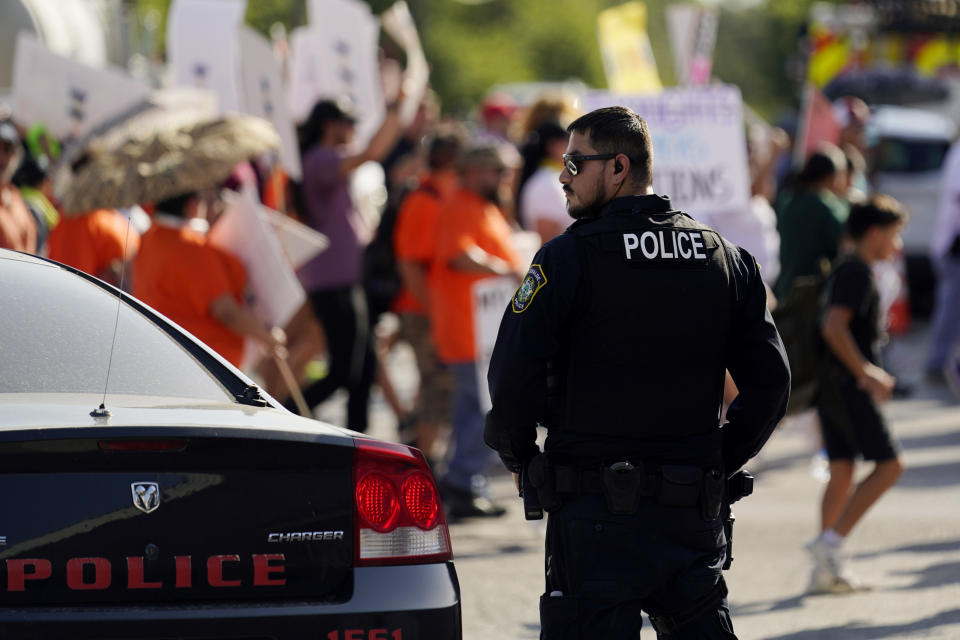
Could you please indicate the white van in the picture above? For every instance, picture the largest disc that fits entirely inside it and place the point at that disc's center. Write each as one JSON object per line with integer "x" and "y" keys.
{"x": 908, "y": 148}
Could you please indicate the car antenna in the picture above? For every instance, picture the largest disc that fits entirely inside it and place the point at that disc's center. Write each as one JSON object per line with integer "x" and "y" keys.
{"x": 102, "y": 411}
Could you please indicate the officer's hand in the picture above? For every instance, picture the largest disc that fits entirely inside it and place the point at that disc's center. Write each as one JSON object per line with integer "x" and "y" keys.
{"x": 877, "y": 382}
{"x": 516, "y": 481}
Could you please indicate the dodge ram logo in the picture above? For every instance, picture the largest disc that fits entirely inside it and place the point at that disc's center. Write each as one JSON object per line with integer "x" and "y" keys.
{"x": 146, "y": 496}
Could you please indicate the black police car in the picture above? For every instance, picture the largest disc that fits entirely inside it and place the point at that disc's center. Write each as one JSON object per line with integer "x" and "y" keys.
{"x": 191, "y": 505}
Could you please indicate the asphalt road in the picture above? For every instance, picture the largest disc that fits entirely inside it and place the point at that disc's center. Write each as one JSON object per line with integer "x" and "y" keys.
{"x": 907, "y": 548}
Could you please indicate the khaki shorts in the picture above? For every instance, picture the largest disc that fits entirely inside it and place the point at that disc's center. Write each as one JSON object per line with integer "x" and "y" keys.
{"x": 436, "y": 379}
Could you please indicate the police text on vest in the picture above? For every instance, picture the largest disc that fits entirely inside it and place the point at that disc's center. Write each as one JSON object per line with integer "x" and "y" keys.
{"x": 669, "y": 244}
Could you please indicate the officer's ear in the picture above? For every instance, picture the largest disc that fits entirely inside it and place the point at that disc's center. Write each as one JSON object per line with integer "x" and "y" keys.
{"x": 621, "y": 165}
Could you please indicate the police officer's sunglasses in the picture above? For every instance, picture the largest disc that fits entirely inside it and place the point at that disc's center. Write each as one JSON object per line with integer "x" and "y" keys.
{"x": 572, "y": 161}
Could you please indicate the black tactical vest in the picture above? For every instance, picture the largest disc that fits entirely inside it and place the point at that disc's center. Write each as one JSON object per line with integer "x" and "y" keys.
{"x": 648, "y": 339}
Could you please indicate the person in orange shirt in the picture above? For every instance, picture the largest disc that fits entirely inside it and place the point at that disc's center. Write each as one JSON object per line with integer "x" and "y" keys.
{"x": 195, "y": 284}
{"x": 97, "y": 242}
{"x": 473, "y": 243}
{"x": 414, "y": 241}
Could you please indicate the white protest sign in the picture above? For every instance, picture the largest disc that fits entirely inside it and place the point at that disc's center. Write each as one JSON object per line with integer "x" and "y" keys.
{"x": 398, "y": 22}
{"x": 67, "y": 96}
{"x": 262, "y": 94}
{"x": 699, "y": 146}
{"x": 299, "y": 242}
{"x": 336, "y": 57}
{"x": 202, "y": 46}
{"x": 490, "y": 298}
{"x": 693, "y": 33}
{"x": 245, "y": 233}
{"x": 682, "y": 21}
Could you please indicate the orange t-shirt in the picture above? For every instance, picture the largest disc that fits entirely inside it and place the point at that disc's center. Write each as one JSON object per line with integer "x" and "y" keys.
{"x": 464, "y": 220}
{"x": 92, "y": 241}
{"x": 415, "y": 234}
{"x": 177, "y": 273}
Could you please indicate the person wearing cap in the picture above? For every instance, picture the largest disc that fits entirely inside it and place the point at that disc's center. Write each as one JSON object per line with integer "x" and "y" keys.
{"x": 333, "y": 278}
{"x": 18, "y": 229}
{"x": 496, "y": 114}
{"x": 473, "y": 243}
{"x": 605, "y": 343}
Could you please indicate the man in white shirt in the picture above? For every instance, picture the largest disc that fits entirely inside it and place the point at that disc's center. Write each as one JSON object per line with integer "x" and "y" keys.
{"x": 543, "y": 207}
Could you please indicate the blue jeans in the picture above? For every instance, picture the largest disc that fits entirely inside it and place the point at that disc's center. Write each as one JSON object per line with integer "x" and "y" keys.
{"x": 471, "y": 457}
{"x": 946, "y": 314}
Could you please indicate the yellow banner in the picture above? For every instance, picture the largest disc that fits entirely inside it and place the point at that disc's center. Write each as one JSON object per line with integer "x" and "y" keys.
{"x": 625, "y": 49}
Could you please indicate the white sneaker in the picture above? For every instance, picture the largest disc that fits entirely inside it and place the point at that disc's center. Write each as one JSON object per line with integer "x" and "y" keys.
{"x": 826, "y": 555}
{"x": 825, "y": 581}
{"x": 820, "y": 467}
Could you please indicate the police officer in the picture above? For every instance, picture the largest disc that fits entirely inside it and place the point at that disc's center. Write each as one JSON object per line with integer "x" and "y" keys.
{"x": 617, "y": 340}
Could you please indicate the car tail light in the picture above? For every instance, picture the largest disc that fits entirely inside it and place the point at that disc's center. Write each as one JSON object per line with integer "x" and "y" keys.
{"x": 399, "y": 517}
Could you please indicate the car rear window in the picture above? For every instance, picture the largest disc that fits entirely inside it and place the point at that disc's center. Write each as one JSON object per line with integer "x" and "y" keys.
{"x": 56, "y": 333}
{"x": 910, "y": 156}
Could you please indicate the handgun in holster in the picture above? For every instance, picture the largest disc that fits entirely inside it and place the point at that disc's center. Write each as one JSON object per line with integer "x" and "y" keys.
{"x": 532, "y": 510}
{"x": 739, "y": 485}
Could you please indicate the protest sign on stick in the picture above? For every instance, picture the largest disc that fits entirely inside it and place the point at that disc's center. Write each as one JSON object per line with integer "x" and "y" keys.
{"x": 398, "y": 22}
{"x": 490, "y": 298}
{"x": 299, "y": 242}
{"x": 202, "y": 46}
{"x": 699, "y": 149}
{"x": 67, "y": 96}
{"x": 625, "y": 49}
{"x": 693, "y": 34}
{"x": 262, "y": 94}
{"x": 336, "y": 57}
{"x": 245, "y": 233}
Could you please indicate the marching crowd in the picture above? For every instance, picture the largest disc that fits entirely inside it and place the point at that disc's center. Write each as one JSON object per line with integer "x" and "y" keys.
{"x": 457, "y": 193}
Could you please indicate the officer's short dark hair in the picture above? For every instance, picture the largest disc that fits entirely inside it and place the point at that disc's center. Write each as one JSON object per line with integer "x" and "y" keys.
{"x": 620, "y": 130}
{"x": 879, "y": 211}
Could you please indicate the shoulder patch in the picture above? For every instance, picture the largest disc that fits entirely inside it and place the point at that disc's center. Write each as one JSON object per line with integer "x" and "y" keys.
{"x": 531, "y": 284}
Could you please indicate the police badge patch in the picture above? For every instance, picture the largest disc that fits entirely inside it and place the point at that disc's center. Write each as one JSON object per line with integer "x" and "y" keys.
{"x": 532, "y": 282}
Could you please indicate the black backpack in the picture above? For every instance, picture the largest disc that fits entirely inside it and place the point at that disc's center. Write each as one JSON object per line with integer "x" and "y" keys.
{"x": 381, "y": 279}
{"x": 797, "y": 317}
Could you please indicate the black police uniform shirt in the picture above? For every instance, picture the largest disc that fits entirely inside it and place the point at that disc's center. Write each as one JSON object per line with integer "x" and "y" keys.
{"x": 851, "y": 285}
{"x": 618, "y": 338}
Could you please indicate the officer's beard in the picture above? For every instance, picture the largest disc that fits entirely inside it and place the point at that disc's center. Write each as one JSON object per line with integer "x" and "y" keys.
{"x": 592, "y": 208}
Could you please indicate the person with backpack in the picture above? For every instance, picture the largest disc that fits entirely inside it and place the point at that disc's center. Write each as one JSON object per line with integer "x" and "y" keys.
{"x": 414, "y": 244}
{"x": 853, "y": 385}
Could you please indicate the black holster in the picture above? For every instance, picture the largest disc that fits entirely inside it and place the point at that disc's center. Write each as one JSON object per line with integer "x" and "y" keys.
{"x": 558, "y": 618}
{"x": 728, "y": 521}
{"x": 623, "y": 484}
{"x": 532, "y": 509}
{"x": 739, "y": 485}
{"x": 543, "y": 483}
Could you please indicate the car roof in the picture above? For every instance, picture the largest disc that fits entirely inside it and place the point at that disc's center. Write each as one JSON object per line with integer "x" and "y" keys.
{"x": 917, "y": 124}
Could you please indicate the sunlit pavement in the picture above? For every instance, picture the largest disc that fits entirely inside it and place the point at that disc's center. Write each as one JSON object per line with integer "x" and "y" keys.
{"x": 907, "y": 548}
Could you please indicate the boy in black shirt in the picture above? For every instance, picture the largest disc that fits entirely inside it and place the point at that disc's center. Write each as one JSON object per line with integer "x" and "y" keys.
{"x": 852, "y": 386}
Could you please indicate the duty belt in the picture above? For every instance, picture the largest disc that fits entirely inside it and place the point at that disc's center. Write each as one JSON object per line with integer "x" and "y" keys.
{"x": 578, "y": 481}
{"x": 623, "y": 483}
